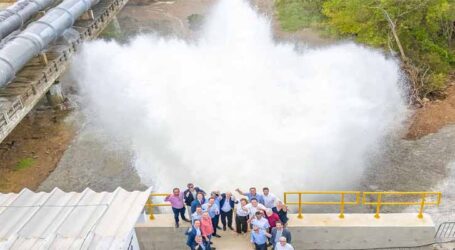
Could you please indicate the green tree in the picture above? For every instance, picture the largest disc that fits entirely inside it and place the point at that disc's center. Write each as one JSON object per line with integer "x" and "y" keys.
{"x": 420, "y": 30}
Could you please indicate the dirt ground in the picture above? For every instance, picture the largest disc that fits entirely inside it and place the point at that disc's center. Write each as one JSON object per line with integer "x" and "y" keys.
{"x": 31, "y": 152}
{"x": 433, "y": 116}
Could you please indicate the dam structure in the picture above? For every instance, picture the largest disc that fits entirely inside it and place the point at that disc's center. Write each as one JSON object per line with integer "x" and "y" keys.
{"x": 130, "y": 220}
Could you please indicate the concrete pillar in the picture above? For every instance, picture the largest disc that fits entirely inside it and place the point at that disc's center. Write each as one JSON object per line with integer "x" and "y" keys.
{"x": 43, "y": 58}
{"x": 55, "y": 94}
{"x": 88, "y": 15}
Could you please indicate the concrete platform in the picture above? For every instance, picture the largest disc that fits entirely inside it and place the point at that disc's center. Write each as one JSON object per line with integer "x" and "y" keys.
{"x": 161, "y": 234}
{"x": 314, "y": 231}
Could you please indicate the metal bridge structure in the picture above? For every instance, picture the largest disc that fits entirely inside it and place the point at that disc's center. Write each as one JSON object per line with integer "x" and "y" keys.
{"x": 32, "y": 59}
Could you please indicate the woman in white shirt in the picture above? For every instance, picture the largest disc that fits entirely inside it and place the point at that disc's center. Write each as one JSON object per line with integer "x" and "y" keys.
{"x": 241, "y": 217}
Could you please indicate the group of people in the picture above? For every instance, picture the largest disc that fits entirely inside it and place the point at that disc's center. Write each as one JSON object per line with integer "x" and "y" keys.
{"x": 264, "y": 215}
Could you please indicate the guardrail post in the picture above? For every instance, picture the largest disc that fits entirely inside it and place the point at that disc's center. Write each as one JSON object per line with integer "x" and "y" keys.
{"x": 300, "y": 216}
{"x": 342, "y": 207}
{"x": 150, "y": 208}
{"x": 378, "y": 206}
{"x": 422, "y": 205}
{"x": 152, "y": 217}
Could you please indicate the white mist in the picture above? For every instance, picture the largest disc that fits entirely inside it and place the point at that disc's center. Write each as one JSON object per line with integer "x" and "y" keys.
{"x": 235, "y": 109}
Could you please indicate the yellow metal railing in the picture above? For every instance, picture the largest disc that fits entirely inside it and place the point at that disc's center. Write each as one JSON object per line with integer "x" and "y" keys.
{"x": 342, "y": 202}
{"x": 360, "y": 198}
{"x": 150, "y": 205}
{"x": 423, "y": 196}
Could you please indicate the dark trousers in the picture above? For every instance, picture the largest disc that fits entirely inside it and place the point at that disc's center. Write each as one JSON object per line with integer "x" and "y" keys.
{"x": 178, "y": 211}
{"x": 215, "y": 223}
{"x": 260, "y": 247}
{"x": 241, "y": 224}
{"x": 228, "y": 216}
{"x": 217, "y": 219}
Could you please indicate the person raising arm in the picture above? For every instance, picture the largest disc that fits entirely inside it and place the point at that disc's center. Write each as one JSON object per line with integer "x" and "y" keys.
{"x": 176, "y": 200}
{"x": 252, "y": 194}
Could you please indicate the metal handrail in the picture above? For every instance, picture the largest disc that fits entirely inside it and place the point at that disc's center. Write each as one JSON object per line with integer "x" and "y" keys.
{"x": 360, "y": 199}
{"x": 342, "y": 201}
{"x": 380, "y": 197}
{"x": 150, "y": 205}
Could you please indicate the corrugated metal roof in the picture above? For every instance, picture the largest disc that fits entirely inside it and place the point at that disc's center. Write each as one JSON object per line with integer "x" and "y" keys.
{"x": 60, "y": 220}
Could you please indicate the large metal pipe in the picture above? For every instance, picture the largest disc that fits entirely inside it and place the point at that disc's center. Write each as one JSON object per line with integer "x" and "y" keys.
{"x": 37, "y": 36}
{"x": 13, "y": 17}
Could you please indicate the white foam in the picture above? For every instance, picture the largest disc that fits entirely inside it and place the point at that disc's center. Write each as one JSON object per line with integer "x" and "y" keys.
{"x": 237, "y": 109}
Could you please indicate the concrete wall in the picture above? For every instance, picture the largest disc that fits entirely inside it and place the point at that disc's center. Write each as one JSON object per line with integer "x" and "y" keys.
{"x": 314, "y": 231}
{"x": 161, "y": 233}
{"x": 161, "y": 238}
{"x": 360, "y": 231}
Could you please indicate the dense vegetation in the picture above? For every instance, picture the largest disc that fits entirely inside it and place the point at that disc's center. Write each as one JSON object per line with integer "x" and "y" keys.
{"x": 420, "y": 32}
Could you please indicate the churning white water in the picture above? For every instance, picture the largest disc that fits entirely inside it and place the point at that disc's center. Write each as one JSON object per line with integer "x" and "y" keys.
{"x": 236, "y": 109}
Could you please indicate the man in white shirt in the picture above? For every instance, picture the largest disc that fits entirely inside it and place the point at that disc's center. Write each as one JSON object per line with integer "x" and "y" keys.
{"x": 269, "y": 198}
{"x": 259, "y": 221}
{"x": 226, "y": 209}
{"x": 283, "y": 245}
{"x": 253, "y": 207}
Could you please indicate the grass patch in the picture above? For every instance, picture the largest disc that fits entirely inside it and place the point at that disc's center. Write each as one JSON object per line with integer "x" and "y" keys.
{"x": 195, "y": 21}
{"x": 24, "y": 164}
{"x": 297, "y": 14}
